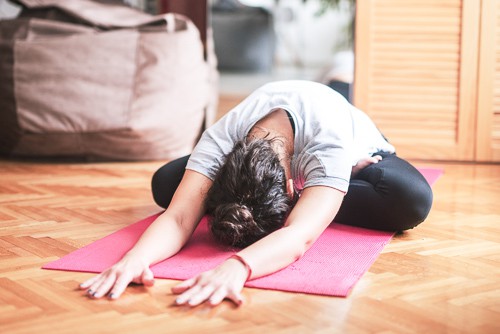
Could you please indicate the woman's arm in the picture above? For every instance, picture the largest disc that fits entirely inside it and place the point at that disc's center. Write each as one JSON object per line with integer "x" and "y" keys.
{"x": 172, "y": 229}
{"x": 311, "y": 215}
{"x": 162, "y": 239}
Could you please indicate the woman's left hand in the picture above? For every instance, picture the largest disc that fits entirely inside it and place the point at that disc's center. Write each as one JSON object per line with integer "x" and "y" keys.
{"x": 225, "y": 281}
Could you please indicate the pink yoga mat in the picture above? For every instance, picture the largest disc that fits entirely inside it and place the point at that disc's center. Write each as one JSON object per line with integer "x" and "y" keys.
{"x": 331, "y": 267}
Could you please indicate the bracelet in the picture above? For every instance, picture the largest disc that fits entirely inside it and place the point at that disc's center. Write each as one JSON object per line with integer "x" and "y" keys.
{"x": 245, "y": 263}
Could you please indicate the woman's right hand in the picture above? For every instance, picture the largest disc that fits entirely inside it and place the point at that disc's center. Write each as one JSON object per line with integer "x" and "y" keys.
{"x": 114, "y": 281}
{"x": 365, "y": 162}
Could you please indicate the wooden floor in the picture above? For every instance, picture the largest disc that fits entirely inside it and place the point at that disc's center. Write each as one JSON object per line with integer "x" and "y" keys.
{"x": 442, "y": 277}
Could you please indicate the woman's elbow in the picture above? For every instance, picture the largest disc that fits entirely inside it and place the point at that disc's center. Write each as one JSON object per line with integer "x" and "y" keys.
{"x": 302, "y": 247}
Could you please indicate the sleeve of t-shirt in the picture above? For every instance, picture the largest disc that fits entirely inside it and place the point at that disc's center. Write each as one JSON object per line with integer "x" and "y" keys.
{"x": 328, "y": 158}
{"x": 218, "y": 140}
{"x": 329, "y": 166}
{"x": 207, "y": 156}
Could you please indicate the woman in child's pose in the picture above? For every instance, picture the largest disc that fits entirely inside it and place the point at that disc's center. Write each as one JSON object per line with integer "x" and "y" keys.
{"x": 272, "y": 174}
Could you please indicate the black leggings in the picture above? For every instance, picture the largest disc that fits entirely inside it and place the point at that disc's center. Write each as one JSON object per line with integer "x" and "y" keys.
{"x": 390, "y": 195}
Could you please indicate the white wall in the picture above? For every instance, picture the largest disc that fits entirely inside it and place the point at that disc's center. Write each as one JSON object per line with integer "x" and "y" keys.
{"x": 304, "y": 38}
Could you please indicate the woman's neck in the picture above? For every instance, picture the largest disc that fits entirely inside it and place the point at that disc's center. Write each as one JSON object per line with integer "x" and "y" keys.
{"x": 276, "y": 125}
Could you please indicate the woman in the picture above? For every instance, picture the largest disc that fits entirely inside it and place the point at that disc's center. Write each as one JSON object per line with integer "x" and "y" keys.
{"x": 273, "y": 174}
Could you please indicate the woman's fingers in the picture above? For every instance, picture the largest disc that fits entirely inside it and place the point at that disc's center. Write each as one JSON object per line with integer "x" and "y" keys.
{"x": 96, "y": 284}
{"x": 197, "y": 295}
{"x": 365, "y": 162}
{"x": 104, "y": 286}
{"x": 202, "y": 295}
{"x": 218, "y": 296}
{"x": 193, "y": 293}
{"x": 186, "y": 296}
{"x": 371, "y": 160}
{"x": 185, "y": 285}
{"x": 147, "y": 277}
{"x": 236, "y": 297}
{"x": 115, "y": 280}
{"x": 212, "y": 286}
{"x": 85, "y": 285}
{"x": 119, "y": 287}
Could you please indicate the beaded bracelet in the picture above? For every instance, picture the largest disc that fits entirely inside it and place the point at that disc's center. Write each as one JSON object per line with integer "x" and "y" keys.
{"x": 242, "y": 260}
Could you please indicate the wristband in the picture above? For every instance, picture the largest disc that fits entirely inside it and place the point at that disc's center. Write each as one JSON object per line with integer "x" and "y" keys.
{"x": 242, "y": 260}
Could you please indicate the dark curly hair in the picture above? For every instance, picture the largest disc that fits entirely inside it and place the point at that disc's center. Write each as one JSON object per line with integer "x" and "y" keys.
{"x": 248, "y": 198}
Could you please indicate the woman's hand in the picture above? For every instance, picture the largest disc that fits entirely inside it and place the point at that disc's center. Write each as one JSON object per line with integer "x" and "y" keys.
{"x": 225, "y": 281}
{"x": 365, "y": 162}
{"x": 115, "y": 280}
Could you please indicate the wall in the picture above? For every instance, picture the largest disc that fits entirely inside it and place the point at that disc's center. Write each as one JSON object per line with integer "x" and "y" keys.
{"x": 304, "y": 37}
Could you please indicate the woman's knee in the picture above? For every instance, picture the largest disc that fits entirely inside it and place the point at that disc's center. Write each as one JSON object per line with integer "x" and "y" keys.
{"x": 158, "y": 186}
{"x": 417, "y": 203}
{"x": 406, "y": 195}
{"x": 166, "y": 179}
{"x": 411, "y": 200}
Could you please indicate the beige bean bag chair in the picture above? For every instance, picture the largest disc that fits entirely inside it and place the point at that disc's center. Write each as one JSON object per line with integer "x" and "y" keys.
{"x": 84, "y": 79}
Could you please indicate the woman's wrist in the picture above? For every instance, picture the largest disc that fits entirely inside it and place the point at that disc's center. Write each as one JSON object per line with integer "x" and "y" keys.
{"x": 136, "y": 257}
{"x": 244, "y": 263}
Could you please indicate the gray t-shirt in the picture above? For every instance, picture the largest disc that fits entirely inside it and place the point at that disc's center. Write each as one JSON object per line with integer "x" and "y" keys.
{"x": 331, "y": 135}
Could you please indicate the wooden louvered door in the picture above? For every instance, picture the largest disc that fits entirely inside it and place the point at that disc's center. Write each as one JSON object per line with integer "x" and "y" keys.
{"x": 416, "y": 74}
{"x": 488, "y": 120}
